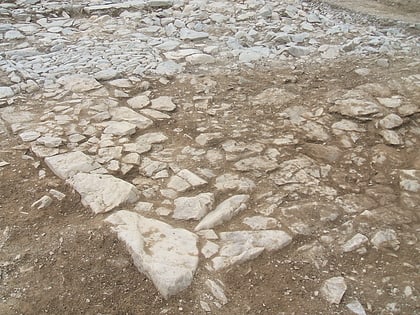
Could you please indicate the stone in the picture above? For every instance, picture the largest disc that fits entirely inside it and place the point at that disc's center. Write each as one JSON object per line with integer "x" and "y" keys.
{"x": 191, "y": 178}
{"x": 200, "y": 59}
{"x": 260, "y": 222}
{"x": 119, "y": 128}
{"x": 333, "y": 289}
{"x": 127, "y": 115}
{"x": 241, "y": 246}
{"x": 193, "y": 208}
{"x": 67, "y": 165}
{"x": 223, "y": 212}
{"x": 57, "y": 194}
{"x": 299, "y": 51}
{"x": 138, "y": 102}
{"x": 151, "y": 138}
{"x": 217, "y": 291}
{"x": 167, "y": 255}
{"x": 253, "y": 54}
{"x": 188, "y": 34}
{"x": 386, "y": 239}
{"x": 106, "y": 75}
{"x": 79, "y": 83}
{"x": 326, "y": 153}
{"x": 410, "y": 180}
{"x": 28, "y": 136}
{"x": 209, "y": 249}
{"x": 211, "y": 138}
{"x": 50, "y": 141}
{"x": 261, "y": 163}
{"x": 168, "y": 67}
{"x": 42, "y": 203}
{"x": 6, "y": 92}
{"x": 228, "y": 182}
{"x": 356, "y": 307}
{"x": 13, "y": 35}
{"x": 391, "y": 137}
{"x": 390, "y": 102}
{"x": 354, "y": 243}
{"x": 391, "y": 121}
{"x": 103, "y": 193}
{"x": 163, "y": 103}
{"x": 356, "y": 108}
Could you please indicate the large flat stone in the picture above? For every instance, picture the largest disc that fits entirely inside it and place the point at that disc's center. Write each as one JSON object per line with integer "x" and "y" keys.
{"x": 167, "y": 255}
{"x": 103, "y": 193}
{"x": 69, "y": 164}
{"x": 128, "y": 115}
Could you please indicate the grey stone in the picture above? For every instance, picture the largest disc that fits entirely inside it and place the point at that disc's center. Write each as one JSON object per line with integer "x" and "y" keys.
{"x": 391, "y": 137}
{"x": 260, "y": 222}
{"x": 125, "y": 114}
{"x": 354, "y": 243}
{"x": 386, "y": 239}
{"x": 103, "y": 193}
{"x": 167, "y": 255}
{"x": 6, "y": 92}
{"x": 119, "y": 128}
{"x": 410, "y": 180}
{"x": 188, "y": 34}
{"x": 217, "y": 291}
{"x": 223, "y": 212}
{"x": 79, "y": 83}
{"x": 187, "y": 208}
{"x": 200, "y": 59}
{"x": 67, "y": 165}
{"x": 42, "y": 203}
{"x": 333, "y": 289}
{"x": 391, "y": 121}
{"x": 356, "y": 307}
{"x": 227, "y": 182}
{"x": 163, "y": 103}
{"x": 139, "y": 101}
{"x": 299, "y": 51}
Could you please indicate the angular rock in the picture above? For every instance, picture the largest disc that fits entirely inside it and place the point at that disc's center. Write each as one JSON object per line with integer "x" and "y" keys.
{"x": 260, "y": 222}
{"x": 410, "y": 180}
{"x": 138, "y": 102}
{"x": 356, "y": 307}
{"x": 200, "y": 59}
{"x": 194, "y": 208}
{"x": 128, "y": 115}
{"x": 6, "y": 92}
{"x": 391, "y": 121}
{"x": 241, "y": 246}
{"x": 261, "y": 163}
{"x": 217, "y": 291}
{"x": 103, "y": 193}
{"x": 299, "y": 51}
{"x": 189, "y": 34}
{"x": 69, "y": 164}
{"x": 167, "y": 255}
{"x": 354, "y": 243}
{"x": 333, "y": 289}
{"x": 119, "y": 128}
{"x": 163, "y": 103}
{"x": 223, "y": 212}
{"x": 227, "y": 182}
{"x": 79, "y": 83}
{"x": 386, "y": 239}
{"x": 391, "y": 137}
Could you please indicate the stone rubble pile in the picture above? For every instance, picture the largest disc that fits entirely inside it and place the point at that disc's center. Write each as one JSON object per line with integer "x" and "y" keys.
{"x": 94, "y": 118}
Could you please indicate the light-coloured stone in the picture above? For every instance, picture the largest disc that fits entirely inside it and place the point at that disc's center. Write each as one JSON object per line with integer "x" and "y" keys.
{"x": 125, "y": 114}
{"x": 356, "y": 307}
{"x": 67, "y": 165}
{"x": 391, "y": 121}
{"x": 163, "y": 103}
{"x": 194, "y": 208}
{"x": 119, "y": 128}
{"x": 217, "y": 291}
{"x": 103, "y": 193}
{"x": 167, "y": 255}
{"x": 79, "y": 83}
{"x": 227, "y": 182}
{"x": 139, "y": 101}
{"x": 42, "y": 203}
{"x": 260, "y": 222}
{"x": 223, "y": 212}
{"x": 333, "y": 289}
{"x": 188, "y": 34}
{"x": 6, "y": 92}
{"x": 354, "y": 243}
{"x": 386, "y": 239}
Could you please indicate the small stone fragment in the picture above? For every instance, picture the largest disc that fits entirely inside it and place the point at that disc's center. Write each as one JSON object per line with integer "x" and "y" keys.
{"x": 333, "y": 289}
{"x": 42, "y": 203}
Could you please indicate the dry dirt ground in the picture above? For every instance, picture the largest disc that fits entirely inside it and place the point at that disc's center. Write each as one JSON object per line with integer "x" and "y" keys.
{"x": 63, "y": 260}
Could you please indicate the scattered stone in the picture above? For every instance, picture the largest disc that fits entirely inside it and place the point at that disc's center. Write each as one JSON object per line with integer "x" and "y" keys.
{"x": 103, "y": 193}
{"x": 119, "y": 128}
{"x": 57, "y": 194}
{"x": 188, "y": 34}
{"x": 260, "y": 223}
{"x": 386, "y": 239}
{"x": 167, "y": 255}
{"x": 333, "y": 289}
{"x": 391, "y": 137}
{"x": 354, "y": 243}
{"x": 227, "y": 182}
{"x": 194, "y": 208}
{"x": 356, "y": 307}
{"x": 6, "y": 92}
{"x": 217, "y": 291}
{"x": 42, "y": 203}
{"x": 391, "y": 121}
{"x": 163, "y": 103}
{"x": 79, "y": 83}
{"x": 69, "y": 164}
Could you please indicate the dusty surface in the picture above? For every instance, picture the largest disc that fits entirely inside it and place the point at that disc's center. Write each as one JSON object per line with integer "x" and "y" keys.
{"x": 64, "y": 260}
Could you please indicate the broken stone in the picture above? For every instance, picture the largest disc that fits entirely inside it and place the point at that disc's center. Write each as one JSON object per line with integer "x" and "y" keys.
{"x": 227, "y": 182}
{"x": 42, "y": 203}
{"x": 391, "y": 121}
{"x": 194, "y": 208}
{"x": 103, "y": 193}
{"x": 119, "y": 128}
{"x": 260, "y": 222}
{"x": 386, "y": 239}
{"x": 356, "y": 307}
{"x": 167, "y": 255}
{"x": 163, "y": 103}
{"x": 217, "y": 291}
{"x": 354, "y": 243}
{"x": 223, "y": 212}
{"x": 69, "y": 164}
{"x": 333, "y": 289}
